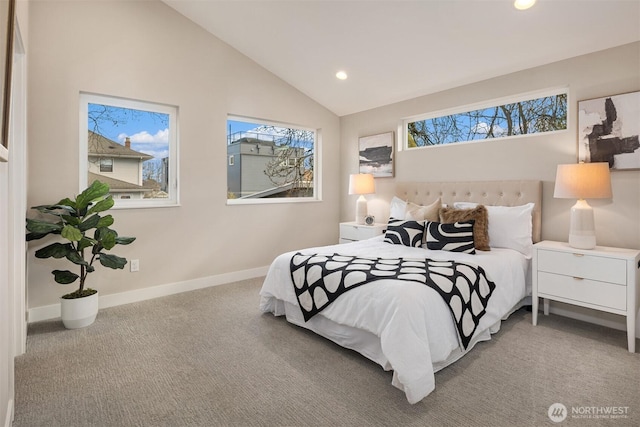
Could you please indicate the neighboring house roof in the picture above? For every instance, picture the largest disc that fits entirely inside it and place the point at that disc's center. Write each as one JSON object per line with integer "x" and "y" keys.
{"x": 275, "y": 191}
{"x": 98, "y": 145}
{"x": 248, "y": 140}
{"x": 119, "y": 186}
{"x": 151, "y": 183}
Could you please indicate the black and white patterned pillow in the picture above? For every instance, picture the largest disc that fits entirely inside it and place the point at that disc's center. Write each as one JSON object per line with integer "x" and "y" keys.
{"x": 454, "y": 237}
{"x": 407, "y": 233}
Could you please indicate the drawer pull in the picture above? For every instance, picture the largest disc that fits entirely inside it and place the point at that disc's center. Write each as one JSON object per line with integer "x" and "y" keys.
{"x": 578, "y": 278}
{"x": 578, "y": 254}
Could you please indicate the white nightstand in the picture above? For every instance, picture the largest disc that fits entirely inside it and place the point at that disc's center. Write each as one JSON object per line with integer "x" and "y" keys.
{"x": 352, "y": 232}
{"x": 603, "y": 278}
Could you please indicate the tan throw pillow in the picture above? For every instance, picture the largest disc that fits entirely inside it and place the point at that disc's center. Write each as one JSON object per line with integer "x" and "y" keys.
{"x": 480, "y": 228}
{"x": 423, "y": 213}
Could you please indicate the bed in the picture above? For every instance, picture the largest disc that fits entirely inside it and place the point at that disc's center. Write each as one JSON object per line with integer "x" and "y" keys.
{"x": 389, "y": 315}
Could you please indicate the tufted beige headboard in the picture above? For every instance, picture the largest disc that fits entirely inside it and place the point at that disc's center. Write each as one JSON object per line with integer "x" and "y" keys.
{"x": 496, "y": 193}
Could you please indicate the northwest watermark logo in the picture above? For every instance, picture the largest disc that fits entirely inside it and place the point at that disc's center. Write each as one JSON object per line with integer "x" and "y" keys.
{"x": 557, "y": 412}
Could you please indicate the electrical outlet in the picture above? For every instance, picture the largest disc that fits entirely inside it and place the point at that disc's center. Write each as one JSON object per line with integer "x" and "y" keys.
{"x": 135, "y": 265}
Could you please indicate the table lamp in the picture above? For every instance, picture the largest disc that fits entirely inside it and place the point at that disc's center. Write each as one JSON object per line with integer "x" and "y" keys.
{"x": 582, "y": 181}
{"x": 361, "y": 184}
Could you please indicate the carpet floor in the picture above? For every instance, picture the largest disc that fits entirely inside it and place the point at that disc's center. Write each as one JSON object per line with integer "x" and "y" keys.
{"x": 211, "y": 358}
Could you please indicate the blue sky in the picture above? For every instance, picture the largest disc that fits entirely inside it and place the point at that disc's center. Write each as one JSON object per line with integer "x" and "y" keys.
{"x": 234, "y": 126}
{"x": 148, "y": 132}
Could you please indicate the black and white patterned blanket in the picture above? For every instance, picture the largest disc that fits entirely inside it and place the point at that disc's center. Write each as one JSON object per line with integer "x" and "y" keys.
{"x": 320, "y": 279}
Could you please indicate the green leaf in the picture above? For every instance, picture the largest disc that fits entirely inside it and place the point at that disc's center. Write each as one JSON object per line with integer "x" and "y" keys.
{"x": 70, "y": 232}
{"x": 106, "y": 237}
{"x": 35, "y": 236}
{"x": 112, "y": 261}
{"x": 105, "y": 221}
{"x": 85, "y": 242}
{"x": 95, "y": 191}
{"x": 75, "y": 258}
{"x": 55, "y": 209}
{"x": 42, "y": 227}
{"x": 71, "y": 219}
{"x": 55, "y": 250}
{"x": 67, "y": 202}
{"x": 64, "y": 277}
{"x": 89, "y": 223}
{"x": 102, "y": 205}
{"x": 124, "y": 240}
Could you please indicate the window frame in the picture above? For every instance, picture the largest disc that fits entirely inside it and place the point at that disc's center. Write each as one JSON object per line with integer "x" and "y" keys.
{"x": 317, "y": 163}
{"x": 172, "y": 111}
{"x": 403, "y": 142}
{"x": 110, "y": 159}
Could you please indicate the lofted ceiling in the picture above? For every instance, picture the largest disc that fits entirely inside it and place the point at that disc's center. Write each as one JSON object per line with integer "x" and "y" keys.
{"x": 395, "y": 50}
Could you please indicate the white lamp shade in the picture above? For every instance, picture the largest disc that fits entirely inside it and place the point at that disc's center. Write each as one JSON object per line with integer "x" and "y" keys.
{"x": 523, "y": 4}
{"x": 582, "y": 181}
{"x": 361, "y": 183}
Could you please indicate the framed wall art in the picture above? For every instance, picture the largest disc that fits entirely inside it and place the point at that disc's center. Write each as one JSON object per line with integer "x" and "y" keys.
{"x": 376, "y": 155}
{"x": 608, "y": 130}
{"x": 7, "y": 17}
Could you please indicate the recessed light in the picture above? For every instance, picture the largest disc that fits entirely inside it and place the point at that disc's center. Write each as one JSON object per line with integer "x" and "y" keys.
{"x": 341, "y": 75}
{"x": 523, "y": 4}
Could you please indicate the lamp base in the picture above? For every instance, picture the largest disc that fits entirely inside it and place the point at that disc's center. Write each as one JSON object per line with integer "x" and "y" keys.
{"x": 361, "y": 209}
{"x": 582, "y": 233}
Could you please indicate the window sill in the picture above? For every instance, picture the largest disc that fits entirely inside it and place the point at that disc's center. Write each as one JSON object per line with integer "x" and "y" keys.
{"x": 232, "y": 202}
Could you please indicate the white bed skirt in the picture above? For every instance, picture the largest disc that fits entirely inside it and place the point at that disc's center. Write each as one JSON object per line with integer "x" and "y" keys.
{"x": 364, "y": 342}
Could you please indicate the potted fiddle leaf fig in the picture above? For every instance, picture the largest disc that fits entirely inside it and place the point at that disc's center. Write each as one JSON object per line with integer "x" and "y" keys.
{"x": 86, "y": 237}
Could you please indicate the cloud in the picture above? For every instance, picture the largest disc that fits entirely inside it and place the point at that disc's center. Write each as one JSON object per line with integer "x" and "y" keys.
{"x": 144, "y": 137}
{"x": 483, "y": 129}
{"x": 157, "y": 154}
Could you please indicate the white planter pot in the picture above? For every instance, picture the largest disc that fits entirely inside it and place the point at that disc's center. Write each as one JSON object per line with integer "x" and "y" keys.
{"x": 79, "y": 312}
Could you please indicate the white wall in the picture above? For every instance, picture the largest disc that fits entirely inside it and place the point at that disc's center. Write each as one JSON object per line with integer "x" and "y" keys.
{"x": 145, "y": 50}
{"x": 6, "y": 309}
{"x": 604, "y": 73}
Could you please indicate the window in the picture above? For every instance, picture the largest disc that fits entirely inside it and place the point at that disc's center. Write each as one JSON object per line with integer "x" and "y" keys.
{"x": 270, "y": 162}
{"x": 523, "y": 115}
{"x": 106, "y": 165}
{"x": 132, "y": 146}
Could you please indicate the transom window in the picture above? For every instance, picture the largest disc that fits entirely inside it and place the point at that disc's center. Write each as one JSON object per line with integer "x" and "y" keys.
{"x": 270, "y": 162}
{"x": 516, "y": 116}
{"x": 132, "y": 146}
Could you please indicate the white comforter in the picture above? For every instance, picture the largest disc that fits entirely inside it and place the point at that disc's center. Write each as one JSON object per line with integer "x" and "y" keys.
{"x": 414, "y": 324}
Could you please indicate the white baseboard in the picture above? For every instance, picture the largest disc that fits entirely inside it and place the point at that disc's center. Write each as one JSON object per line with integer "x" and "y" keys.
{"x": 9, "y": 419}
{"x": 47, "y": 312}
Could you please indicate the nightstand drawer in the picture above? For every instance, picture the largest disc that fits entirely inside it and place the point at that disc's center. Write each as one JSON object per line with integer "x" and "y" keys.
{"x": 598, "y": 268}
{"x": 582, "y": 290}
{"x": 358, "y": 232}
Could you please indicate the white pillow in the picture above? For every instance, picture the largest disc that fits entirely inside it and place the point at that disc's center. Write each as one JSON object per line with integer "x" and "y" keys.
{"x": 397, "y": 208}
{"x": 509, "y": 226}
{"x": 421, "y": 213}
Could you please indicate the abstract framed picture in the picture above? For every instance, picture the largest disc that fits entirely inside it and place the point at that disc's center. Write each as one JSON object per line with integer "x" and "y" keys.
{"x": 608, "y": 130}
{"x": 376, "y": 155}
